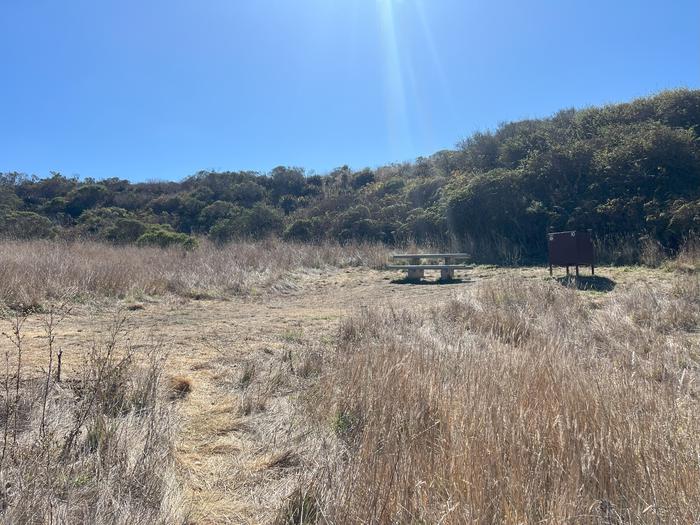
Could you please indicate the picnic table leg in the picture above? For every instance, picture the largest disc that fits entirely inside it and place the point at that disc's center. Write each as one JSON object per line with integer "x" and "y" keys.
{"x": 447, "y": 274}
{"x": 415, "y": 274}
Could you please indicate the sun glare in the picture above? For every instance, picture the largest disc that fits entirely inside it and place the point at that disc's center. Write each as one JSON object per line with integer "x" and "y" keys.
{"x": 397, "y": 117}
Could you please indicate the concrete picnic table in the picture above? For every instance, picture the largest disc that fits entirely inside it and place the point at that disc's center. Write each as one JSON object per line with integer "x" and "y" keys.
{"x": 416, "y": 270}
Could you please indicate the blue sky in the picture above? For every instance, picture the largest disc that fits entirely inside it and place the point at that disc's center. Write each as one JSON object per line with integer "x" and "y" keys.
{"x": 159, "y": 89}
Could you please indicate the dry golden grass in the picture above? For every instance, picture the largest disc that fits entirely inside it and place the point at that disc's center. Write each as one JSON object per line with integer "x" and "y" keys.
{"x": 94, "y": 448}
{"x": 688, "y": 259}
{"x": 519, "y": 402}
{"x": 34, "y": 271}
{"x": 515, "y": 401}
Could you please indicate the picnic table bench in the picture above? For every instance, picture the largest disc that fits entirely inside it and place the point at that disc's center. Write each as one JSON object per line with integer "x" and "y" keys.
{"x": 415, "y": 270}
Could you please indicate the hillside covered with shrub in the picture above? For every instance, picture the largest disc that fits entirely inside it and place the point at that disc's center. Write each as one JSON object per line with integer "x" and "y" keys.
{"x": 628, "y": 171}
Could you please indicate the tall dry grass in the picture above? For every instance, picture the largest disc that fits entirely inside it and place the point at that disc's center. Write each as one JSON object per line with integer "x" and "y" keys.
{"x": 34, "y": 271}
{"x": 688, "y": 258}
{"x": 520, "y": 402}
{"x": 97, "y": 448}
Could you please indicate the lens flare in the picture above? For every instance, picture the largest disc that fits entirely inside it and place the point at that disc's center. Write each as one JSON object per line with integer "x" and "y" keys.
{"x": 397, "y": 116}
{"x": 434, "y": 55}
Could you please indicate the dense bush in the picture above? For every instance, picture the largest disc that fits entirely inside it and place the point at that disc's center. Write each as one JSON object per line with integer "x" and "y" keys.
{"x": 304, "y": 230}
{"x": 164, "y": 238}
{"x": 26, "y": 225}
{"x": 86, "y": 197}
{"x": 259, "y": 221}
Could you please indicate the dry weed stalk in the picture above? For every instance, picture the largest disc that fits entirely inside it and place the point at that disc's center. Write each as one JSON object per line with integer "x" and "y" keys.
{"x": 97, "y": 448}
{"x": 12, "y": 399}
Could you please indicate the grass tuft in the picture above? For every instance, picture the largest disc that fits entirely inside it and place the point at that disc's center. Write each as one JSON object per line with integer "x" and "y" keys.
{"x": 179, "y": 387}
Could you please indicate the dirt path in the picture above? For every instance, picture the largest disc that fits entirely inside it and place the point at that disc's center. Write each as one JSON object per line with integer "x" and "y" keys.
{"x": 240, "y": 448}
{"x": 241, "y": 443}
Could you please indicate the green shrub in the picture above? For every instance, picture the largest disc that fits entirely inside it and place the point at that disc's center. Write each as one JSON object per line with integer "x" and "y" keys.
{"x": 164, "y": 238}
{"x": 226, "y": 230}
{"x": 263, "y": 220}
{"x": 125, "y": 231}
{"x": 257, "y": 222}
{"x": 218, "y": 211}
{"x": 85, "y": 197}
{"x": 303, "y": 230}
{"x": 26, "y": 225}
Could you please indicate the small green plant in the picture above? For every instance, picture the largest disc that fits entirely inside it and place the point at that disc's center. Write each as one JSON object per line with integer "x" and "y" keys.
{"x": 343, "y": 423}
{"x": 82, "y": 480}
{"x": 293, "y": 336}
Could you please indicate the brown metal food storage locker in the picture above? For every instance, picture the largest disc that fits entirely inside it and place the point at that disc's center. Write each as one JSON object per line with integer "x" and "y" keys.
{"x": 572, "y": 248}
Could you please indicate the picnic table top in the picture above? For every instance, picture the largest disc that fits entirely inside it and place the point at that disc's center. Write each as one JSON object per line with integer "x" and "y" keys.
{"x": 430, "y": 255}
{"x": 427, "y": 267}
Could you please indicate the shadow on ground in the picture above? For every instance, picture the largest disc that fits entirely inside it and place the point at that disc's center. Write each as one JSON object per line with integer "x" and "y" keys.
{"x": 432, "y": 282}
{"x": 593, "y": 283}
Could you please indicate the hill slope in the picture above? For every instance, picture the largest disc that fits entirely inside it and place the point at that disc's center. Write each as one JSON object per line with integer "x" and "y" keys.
{"x": 627, "y": 171}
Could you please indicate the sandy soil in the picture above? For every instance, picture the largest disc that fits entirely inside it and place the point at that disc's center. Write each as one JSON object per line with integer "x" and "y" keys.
{"x": 242, "y": 443}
